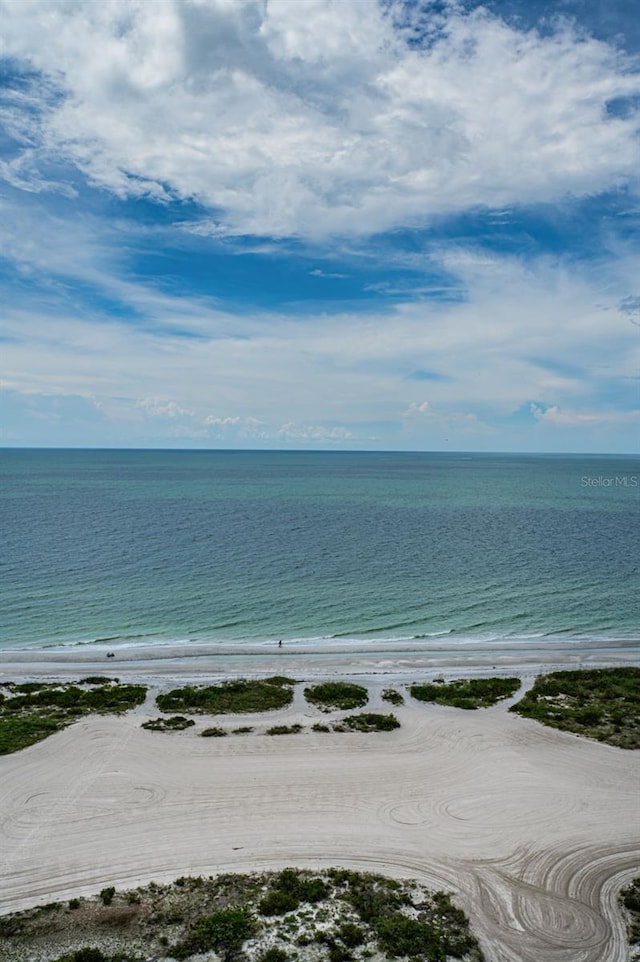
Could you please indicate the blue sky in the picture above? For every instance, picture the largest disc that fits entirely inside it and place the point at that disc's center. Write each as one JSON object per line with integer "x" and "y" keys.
{"x": 320, "y": 224}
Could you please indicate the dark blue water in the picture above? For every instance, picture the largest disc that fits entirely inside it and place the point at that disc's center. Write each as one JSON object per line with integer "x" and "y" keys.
{"x": 158, "y": 546}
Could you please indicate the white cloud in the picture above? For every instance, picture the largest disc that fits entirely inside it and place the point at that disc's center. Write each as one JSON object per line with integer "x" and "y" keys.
{"x": 338, "y": 370}
{"x": 554, "y": 415}
{"x": 423, "y": 412}
{"x": 424, "y": 409}
{"x": 291, "y": 118}
{"x": 314, "y": 432}
{"x": 162, "y": 408}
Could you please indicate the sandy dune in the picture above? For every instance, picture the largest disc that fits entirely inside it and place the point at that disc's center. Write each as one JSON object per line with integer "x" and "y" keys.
{"x": 535, "y": 830}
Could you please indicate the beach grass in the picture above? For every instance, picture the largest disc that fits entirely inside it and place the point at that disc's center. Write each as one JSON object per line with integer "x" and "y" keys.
{"x": 176, "y": 723}
{"x": 333, "y": 916}
{"x": 467, "y": 693}
{"x": 230, "y": 697}
{"x": 284, "y": 730}
{"x": 32, "y": 711}
{"x": 392, "y": 696}
{"x": 367, "y": 722}
{"x": 333, "y": 695}
{"x": 599, "y": 703}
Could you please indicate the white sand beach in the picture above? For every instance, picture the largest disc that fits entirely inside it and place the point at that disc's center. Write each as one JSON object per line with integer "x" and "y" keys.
{"x": 534, "y": 830}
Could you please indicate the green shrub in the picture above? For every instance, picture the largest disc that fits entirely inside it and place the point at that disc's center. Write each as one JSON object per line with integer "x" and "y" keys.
{"x": 336, "y": 694}
{"x": 339, "y": 952}
{"x": 278, "y": 902}
{"x": 392, "y": 696}
{"x": 274, "y": 955}
{"x": 468, "y": 693}
{"x": 319, "y": 727}
{"x": 107, "y": 895}
{"x": 313, "y": 890}
{"x": 89, "y": 954}
{"x": 224, "y": 931}
{"x": 600, "y": 703}
{"x": 284, "y": 730}
{"x": 351, "y": 934}
{"x": 176, "y": 723}
{"x": 114, "y": 698}
{"x": 18, "y": 733}
{"x": 367, "y": 722}
{"x": 229, "y": 697}
{"x": 35, "y": 710}
{"x": 213, "y": 732}
{"x": 401, "y": 935}
{"x": 289, "y": 889}
{"x": 288, "y": 880}
{"x": 373, "y": 898}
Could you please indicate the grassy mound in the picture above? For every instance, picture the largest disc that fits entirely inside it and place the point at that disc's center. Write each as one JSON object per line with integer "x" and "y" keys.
{"x": 332, "y": 916}
{"x": 177, "y": 723}
{"x": 600, "y": 703}
{"x": 468, "y": 693}
{"x": 230, "y": 697}
{"x": 336, "y": 694}
{"x": 30, "y": 712}
{"x": 367, "y": 722}
{"x": 284, "y": 730}
{"x": 392, "y": 696}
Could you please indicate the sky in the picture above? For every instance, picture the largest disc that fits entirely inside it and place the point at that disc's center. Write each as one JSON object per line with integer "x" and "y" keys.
{"x": 320, "y": 224}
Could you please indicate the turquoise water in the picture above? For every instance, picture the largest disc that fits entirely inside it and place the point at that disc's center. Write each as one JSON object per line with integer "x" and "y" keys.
{"x": 133, "y": 547}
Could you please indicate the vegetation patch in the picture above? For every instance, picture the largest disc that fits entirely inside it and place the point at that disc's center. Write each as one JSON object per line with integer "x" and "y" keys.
{"x": 31, "y": 711}
{"x": 336, "y": 694}
{"x": 92, "y": 954}
{"x": 98, "y": 680}
{"x": 468, "y": 693}
{"x": 392, "y": 696}
{"x": 600, "y": 703}
{"x": 176, "y": 723}
{"x": 224, "y": 931}
{"x": 213, "y": 732}
{"x": 284, "y": 730}
{"x": 230, "y": 697}
{"x": 242, "y": 730}
{"x": 630, "y": 903}
{"x": 340, "y": 915}
{"x": 367, "y": 722}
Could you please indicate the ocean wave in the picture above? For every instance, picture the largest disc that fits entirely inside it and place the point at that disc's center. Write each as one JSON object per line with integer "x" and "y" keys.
{"x": 423, "y": 642}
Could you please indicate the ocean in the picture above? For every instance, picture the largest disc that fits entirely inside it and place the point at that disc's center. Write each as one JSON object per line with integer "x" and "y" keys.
{"x": 114, "y": 548}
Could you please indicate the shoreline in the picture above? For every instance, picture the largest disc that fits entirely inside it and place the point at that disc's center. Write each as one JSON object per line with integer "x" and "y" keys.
{"x": 200, "y": 661}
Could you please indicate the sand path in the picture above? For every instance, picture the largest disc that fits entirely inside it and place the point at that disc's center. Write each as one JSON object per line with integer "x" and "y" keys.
{"x": 534, "y": 829}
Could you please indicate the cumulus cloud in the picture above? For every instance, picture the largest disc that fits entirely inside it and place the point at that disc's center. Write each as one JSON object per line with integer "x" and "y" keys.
{"x": 157, "y": 407}
{"x": 315, "y": 118}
